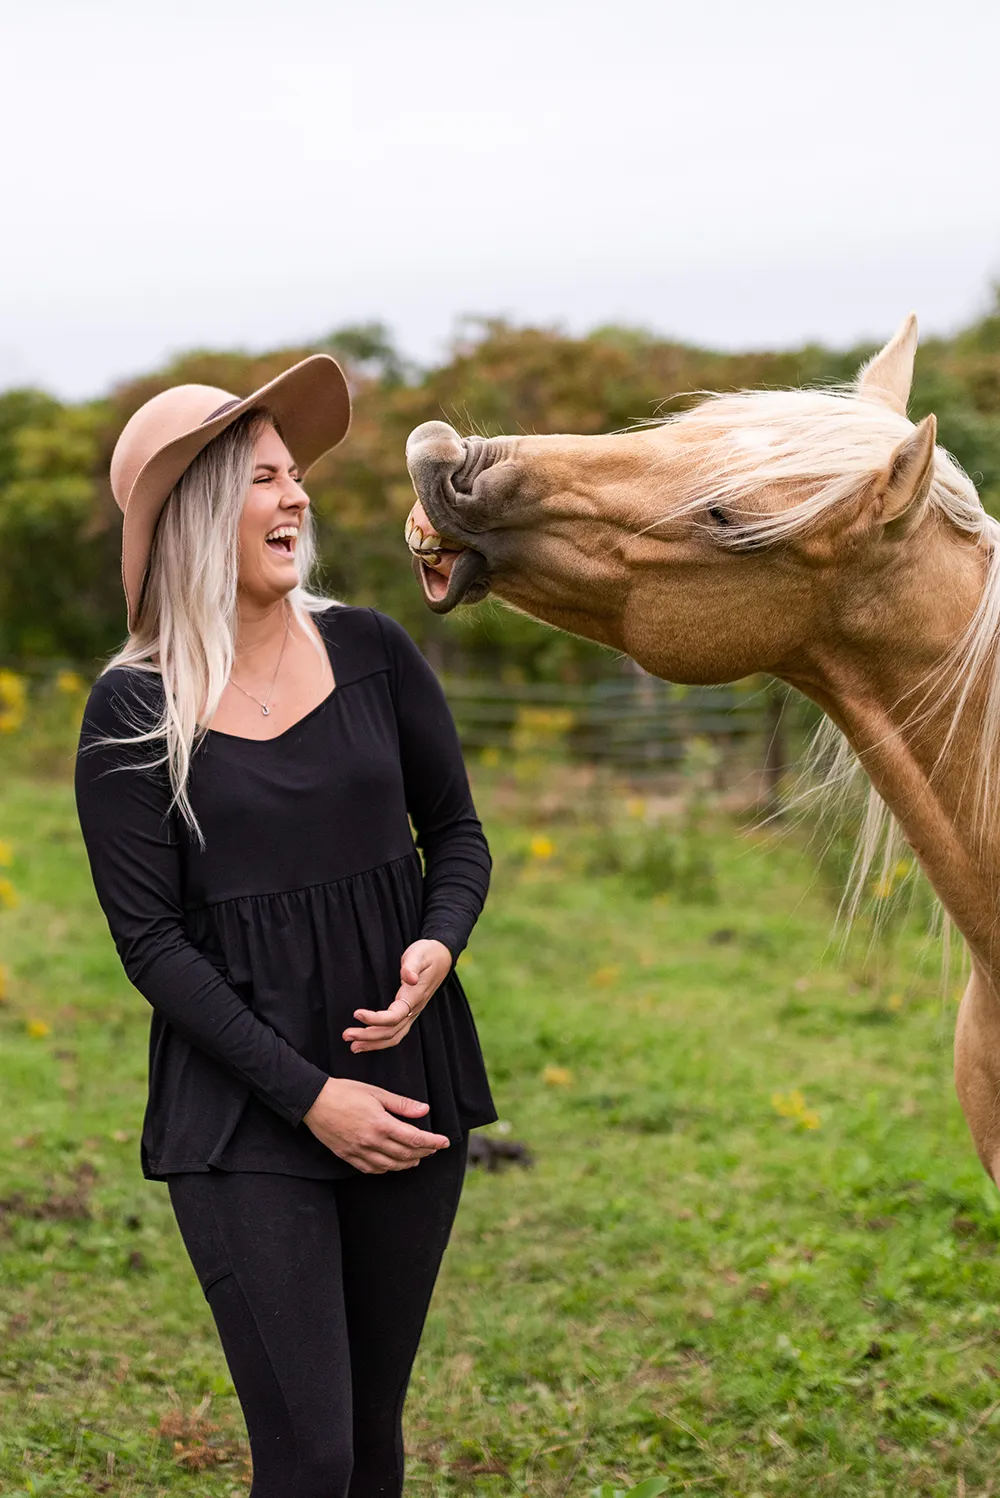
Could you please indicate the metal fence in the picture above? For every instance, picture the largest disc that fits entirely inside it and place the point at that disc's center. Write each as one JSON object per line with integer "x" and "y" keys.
{"x": 629, "y": 720}
{"x": 634, "y": 722}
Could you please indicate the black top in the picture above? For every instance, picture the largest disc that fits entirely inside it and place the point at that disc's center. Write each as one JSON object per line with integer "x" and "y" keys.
{"x": 256, "y": 950}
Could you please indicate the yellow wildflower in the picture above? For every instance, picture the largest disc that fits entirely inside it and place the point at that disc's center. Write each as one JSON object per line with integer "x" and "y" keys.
{"x": 793, "y": 1105}
{"x": 37, "y": 1028}
{"x": 538, "y": 729}
{"x": 557, "y": 1076}
{"x": 882, "y": 888}
{"x": 13, "y": 695}
{"x": 635, "y": 806}
{"x": 542, "y": 847}
{"x": 895, "y": 1002}
{"x": 603, "y": 977}
{"x": 70, "y": 682}
{"x": 8, "y": 894}
{"x": 490, "y": 757}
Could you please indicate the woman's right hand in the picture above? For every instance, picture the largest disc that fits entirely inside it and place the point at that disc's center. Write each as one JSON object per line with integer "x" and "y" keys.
{"x": 355, "y": 1120}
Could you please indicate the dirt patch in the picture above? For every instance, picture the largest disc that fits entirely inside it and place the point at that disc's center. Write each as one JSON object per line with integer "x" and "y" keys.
{"x": 58, "y": 1204}
{"x": 196, "y": 1440}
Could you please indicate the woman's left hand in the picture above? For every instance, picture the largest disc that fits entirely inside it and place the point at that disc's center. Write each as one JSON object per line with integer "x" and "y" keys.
{"x": 422, "y": 970}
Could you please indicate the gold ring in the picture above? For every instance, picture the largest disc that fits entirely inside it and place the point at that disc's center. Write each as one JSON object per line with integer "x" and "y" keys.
{"x": 409, "y": 1012}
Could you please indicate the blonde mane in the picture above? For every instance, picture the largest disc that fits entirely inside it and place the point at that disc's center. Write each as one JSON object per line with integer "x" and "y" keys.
{"x": 834, "y": 442}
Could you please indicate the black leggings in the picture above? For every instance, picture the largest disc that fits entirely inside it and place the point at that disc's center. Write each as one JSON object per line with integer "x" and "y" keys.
{"x": 319, "y": 1291}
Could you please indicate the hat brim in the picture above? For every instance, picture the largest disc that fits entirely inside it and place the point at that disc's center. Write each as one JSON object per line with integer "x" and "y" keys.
{"x": 312, "y": 405}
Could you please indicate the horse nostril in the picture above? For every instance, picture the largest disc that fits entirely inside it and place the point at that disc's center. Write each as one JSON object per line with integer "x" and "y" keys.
{"x": 478, "y": 456}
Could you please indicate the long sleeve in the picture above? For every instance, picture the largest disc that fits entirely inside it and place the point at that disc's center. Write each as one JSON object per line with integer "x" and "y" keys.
{"x": 449, "y": 834}
{"x": 135, "y": 859}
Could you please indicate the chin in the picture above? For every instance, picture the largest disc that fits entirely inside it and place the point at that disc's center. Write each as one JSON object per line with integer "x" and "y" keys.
{"x": 284, "y": 577}
{"x": 271, "y": 588}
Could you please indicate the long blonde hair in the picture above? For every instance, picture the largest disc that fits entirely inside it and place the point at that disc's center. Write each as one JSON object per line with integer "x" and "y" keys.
{"x": 186, "y": 628}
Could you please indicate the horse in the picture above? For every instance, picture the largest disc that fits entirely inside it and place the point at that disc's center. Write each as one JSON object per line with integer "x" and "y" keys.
{"x": 814, "y": 534}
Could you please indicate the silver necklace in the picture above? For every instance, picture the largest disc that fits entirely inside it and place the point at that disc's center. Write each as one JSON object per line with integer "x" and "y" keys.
{"x": 263, "y": 705}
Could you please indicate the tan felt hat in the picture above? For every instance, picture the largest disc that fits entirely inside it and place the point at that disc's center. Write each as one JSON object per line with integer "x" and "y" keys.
{"x": 310, "y": 401}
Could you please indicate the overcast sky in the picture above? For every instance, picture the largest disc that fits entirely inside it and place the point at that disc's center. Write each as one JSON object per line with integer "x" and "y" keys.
{"x": 742, "y": 173}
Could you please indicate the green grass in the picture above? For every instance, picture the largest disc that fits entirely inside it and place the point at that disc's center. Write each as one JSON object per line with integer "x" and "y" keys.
{"x": 688, "y": 1284}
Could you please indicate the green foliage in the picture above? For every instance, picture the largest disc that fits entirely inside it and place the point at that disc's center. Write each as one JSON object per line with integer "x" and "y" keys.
{"x": 57, "y": 555}
{"x": 367, "y": 348}
{"x": 59, "y": 582}
{"x": 655, "y": 854}
{"x": 651, "y": 1488}
{"x": 40, "y": 722}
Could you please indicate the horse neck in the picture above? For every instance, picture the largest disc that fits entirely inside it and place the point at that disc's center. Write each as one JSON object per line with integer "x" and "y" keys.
{"x": 919, "y": 759}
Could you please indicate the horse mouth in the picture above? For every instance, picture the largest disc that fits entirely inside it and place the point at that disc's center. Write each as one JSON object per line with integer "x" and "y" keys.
{"x": 448, "y": 572}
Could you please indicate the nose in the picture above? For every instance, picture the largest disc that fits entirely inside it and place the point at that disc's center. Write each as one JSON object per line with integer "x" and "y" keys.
{"x": 294, "y": 497}
{"x": 434, "y": 454}
{"x": 436, "y": 440}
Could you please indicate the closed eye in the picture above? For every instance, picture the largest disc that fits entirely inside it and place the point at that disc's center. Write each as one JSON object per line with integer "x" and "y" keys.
{"x": 719, "y": 515}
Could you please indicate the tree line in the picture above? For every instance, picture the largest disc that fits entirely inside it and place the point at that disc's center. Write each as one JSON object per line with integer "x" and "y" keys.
{"x": 60, "y": 591}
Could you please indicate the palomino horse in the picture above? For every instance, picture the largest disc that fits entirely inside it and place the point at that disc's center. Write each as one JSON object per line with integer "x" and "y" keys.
{"x": 817, "y": 535}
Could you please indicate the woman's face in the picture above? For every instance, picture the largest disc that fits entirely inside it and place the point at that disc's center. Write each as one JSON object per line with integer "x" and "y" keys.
{"x": 273, "y": 511}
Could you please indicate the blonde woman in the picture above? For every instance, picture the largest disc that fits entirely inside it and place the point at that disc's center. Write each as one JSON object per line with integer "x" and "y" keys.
{"x": 247, "y": 767}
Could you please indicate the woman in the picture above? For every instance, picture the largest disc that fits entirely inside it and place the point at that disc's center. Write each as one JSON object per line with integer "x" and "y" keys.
{"x": 247, "y": 766}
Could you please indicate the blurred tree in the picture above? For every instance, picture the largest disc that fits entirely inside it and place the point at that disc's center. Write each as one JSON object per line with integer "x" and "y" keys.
{"x": 60, "y": 592}
{"x": 56, "y": 557}
{"x": 368, "y": 349}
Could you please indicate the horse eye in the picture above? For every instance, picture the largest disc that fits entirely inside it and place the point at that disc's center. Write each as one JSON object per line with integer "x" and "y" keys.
{"x": 718, "y": 515}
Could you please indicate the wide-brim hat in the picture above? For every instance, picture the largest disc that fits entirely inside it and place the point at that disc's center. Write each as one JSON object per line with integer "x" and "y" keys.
{"x": 310, "y": 402}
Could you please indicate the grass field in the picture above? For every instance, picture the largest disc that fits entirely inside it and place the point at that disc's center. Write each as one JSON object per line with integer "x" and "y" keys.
{"x": 755, "y": 1254}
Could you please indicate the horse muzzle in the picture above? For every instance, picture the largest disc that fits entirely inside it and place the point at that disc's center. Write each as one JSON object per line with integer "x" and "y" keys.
{"x": 447, "y": 561}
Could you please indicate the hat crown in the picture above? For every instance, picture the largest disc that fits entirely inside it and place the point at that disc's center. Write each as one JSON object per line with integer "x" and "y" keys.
{"x": 160, "y": 420}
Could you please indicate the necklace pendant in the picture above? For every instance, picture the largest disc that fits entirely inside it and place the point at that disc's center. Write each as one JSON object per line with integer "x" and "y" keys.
{"x": 265, "y": 710}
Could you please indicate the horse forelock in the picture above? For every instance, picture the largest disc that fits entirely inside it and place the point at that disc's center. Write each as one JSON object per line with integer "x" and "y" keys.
{"x": 823, "y": 445}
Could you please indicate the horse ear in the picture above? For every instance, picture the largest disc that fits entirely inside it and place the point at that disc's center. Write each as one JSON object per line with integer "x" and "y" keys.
{"x": 887, "y": 377}
{"x": 903, "y": 486}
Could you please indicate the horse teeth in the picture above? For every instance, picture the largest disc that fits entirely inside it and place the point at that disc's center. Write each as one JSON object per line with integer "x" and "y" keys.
{"x": 423, "y": 544}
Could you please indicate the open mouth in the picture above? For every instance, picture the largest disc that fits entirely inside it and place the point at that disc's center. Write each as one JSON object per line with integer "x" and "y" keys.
{"x": 448, "y": 573}
{"x": 282, "y": 540}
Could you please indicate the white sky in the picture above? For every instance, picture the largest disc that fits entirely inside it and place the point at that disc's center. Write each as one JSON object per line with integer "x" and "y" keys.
{"x": 242, "y": 173}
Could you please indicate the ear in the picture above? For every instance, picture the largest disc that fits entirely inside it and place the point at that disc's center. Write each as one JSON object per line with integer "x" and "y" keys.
{"x": 886, "y": 379}
{"x": 903, "y": 486}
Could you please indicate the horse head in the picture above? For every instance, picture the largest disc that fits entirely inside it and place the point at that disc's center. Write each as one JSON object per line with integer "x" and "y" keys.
{"x": 737, "y": 536}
